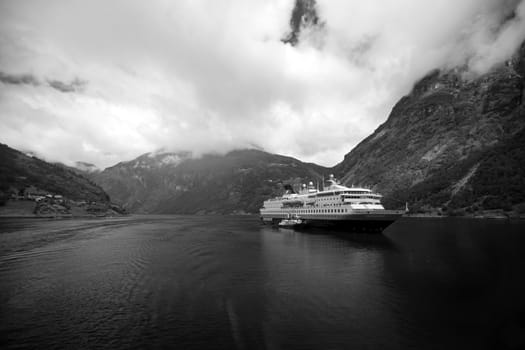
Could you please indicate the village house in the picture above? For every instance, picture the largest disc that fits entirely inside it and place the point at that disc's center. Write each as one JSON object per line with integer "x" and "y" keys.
{"x": 33, "y": 193}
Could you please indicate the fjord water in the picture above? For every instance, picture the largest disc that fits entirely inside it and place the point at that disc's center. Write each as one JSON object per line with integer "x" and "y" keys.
{"x": 196, "y": 282}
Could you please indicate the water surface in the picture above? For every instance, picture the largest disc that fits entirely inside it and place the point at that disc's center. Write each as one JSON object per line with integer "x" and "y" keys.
{"x": 195, "y": 282}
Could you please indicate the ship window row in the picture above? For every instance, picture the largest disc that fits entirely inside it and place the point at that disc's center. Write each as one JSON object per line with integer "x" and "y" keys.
{"x": 318, "y": 211}
{"x": 328, "y": 199}
{"x": 325, "y": 194}
{"x": 363, "y": 195}
{"x": 341, "y": 192}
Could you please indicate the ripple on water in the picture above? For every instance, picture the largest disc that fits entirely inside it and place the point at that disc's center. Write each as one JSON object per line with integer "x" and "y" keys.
{"x": 196, "y": 282}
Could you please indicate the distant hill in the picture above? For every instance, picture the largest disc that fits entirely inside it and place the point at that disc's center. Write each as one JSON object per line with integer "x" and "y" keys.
{"x": 455, "y": 143}
{"x": 86, "y": 167}
{"x": 19, "y": 171}
{"x": 178, "y": 183}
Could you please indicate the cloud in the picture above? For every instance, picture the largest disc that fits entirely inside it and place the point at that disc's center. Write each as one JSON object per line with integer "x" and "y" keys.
{"x": 76, "y": 85}
{"x": 496, "y": 38}
{"x": 17, "y": 79}
{"x": 213, "y": 76}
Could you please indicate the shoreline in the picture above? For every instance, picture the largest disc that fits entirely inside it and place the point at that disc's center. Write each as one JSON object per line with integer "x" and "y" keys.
{"x": 487, "y": 216}
{"x": 61, "y": 217}
{"x": 27, "y": 209}
{"x": 491, "y": 216}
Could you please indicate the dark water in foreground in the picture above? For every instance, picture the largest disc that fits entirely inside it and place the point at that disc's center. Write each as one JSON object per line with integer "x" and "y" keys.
{"x": 227, "y": 282}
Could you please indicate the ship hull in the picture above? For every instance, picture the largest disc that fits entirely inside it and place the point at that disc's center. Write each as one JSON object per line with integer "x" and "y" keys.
{"x": 365, "y": 223}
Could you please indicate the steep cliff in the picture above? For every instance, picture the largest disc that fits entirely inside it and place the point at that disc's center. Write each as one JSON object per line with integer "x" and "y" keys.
{"x": 455, "y": 142}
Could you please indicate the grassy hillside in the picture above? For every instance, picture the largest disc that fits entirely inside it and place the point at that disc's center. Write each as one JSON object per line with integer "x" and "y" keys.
{"x": 19, "y": 171}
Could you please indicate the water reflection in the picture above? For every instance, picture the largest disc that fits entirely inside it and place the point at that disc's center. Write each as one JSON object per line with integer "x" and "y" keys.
{"x": 461, "y": 276}
{"x": 329, "y": 289}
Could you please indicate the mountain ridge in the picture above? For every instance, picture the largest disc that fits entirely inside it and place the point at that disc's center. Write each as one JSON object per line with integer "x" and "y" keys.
{"x": 235, "y": 182}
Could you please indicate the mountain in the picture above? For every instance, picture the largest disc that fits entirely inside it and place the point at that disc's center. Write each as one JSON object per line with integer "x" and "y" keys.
{"x": 455, "y": 143}
{"x": 141, "y": 183}
{"x": 179, "y": 183}
{"x": 82, "y": 168}
{"x": 86, "y": 167}
{"x": 45, "y": 188}
{"x": 18, "y": 171}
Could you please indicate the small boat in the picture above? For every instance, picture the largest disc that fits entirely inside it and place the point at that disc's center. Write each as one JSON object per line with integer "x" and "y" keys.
{"x": 291, "y": 222}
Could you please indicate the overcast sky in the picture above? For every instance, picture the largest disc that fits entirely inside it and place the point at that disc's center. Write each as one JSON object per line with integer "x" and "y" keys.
{"x": 105, "y": 81}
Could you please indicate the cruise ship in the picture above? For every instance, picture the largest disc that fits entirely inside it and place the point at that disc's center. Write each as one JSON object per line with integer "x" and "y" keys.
{"x": 354, "y": 209}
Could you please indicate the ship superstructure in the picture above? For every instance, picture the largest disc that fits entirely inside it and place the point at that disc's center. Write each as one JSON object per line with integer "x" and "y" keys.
{"x": 353, "y": 208}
